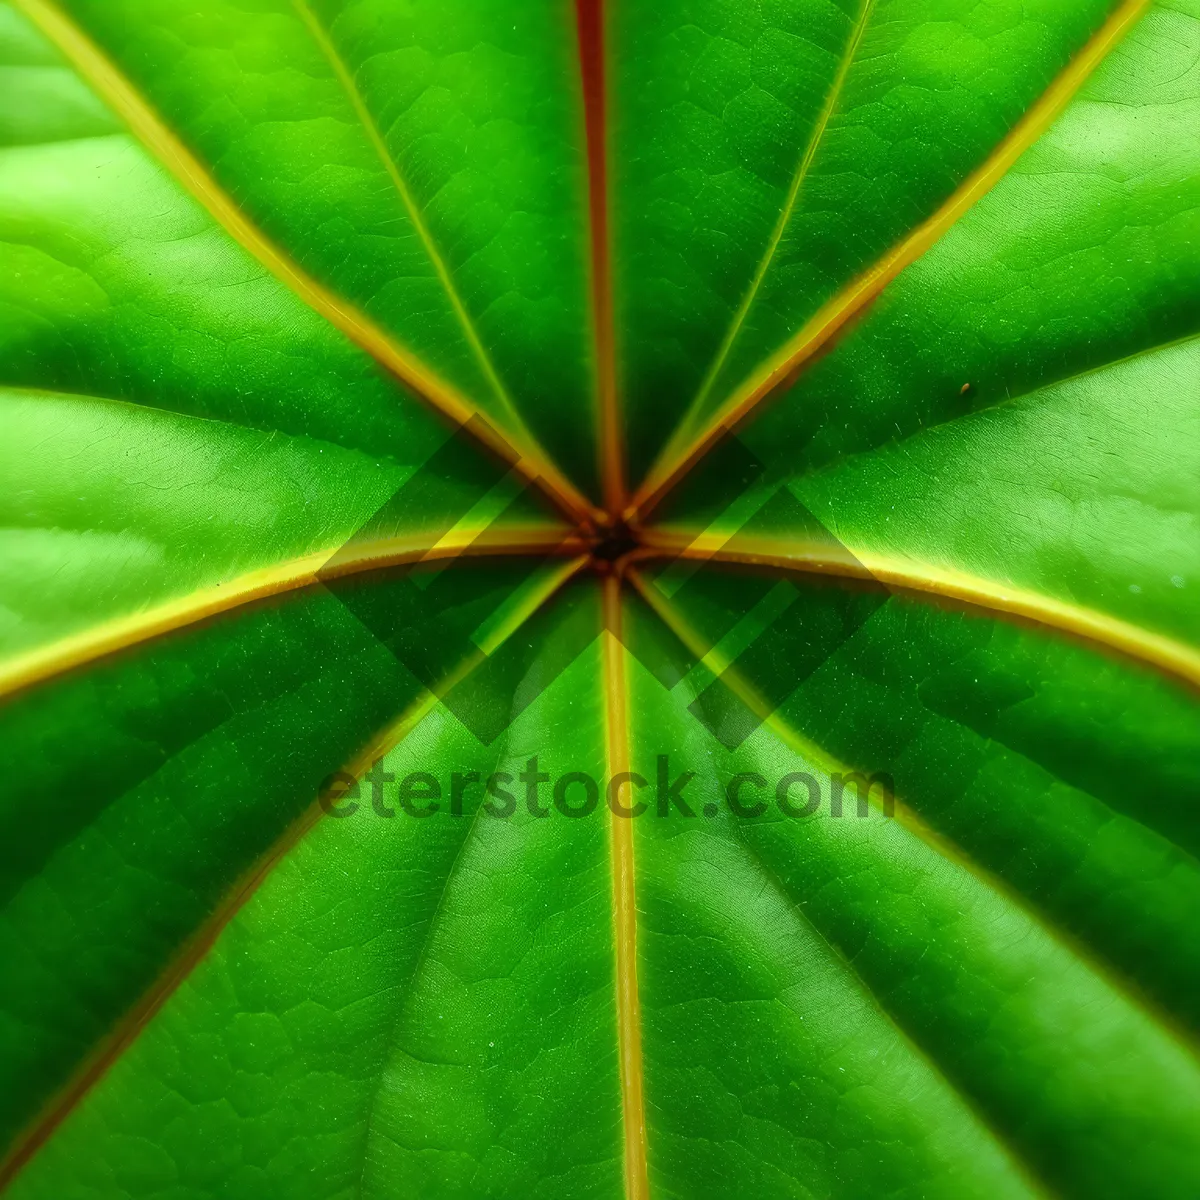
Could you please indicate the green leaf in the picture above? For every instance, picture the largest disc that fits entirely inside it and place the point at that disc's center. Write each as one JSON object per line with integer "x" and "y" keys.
{"x": 600, "y": 600}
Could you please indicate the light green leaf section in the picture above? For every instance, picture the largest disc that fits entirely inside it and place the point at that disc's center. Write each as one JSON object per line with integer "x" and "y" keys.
{"x": 121, "y": 286}
{"x": 181, "y": 418}
{"x": 1092, "y": 489}
{"x": 1015, "y": 407}
{"x": 44, "y": 100}
{"x": 113, "y": 508}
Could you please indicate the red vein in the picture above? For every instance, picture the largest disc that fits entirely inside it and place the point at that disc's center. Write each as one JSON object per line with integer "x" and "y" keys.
{"x": 589, "y": 16}
{"x": 783, "y": 367}
{"x": 108, "y": 1051}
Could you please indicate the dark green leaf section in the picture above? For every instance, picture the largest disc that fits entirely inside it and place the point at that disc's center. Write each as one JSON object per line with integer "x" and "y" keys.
{"x": 766, "y": 155}
{"x": 834, "y": 1006}
{"x": 426, "y": 164}
{"x": 408, "y": 1006}
{"x": 150, "y": 783}
{"x": 1070, "y": 774}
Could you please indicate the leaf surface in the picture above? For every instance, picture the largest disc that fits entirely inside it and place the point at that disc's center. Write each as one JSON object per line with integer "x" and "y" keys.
{"x": 599, "y": 600}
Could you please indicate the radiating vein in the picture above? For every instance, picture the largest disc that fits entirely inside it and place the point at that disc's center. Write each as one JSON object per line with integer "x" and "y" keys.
{"x": 201, "y": 942}
{"x": 782, "y": 368}
{"x": 629, "y": 1018}
{"x": 128, "y": 103}
{"x": 70, "y": 653}
{"x": 821, "y": 558}
{"x": 346, "y": 78}
{"x": 589, "y": 17}
{"x": 938, "y": 842}
{"x": 789, "y": 206}
{"x": 720, "y": 667}
{"x": 1019, "y": 1162}
{"x": 406, "y": 989}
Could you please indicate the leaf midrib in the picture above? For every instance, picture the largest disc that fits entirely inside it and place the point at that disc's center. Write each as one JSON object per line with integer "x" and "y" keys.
{"x": 628, "y": 1006}
{"x": 591, "y": 37}
{"x": 44, "y": 663}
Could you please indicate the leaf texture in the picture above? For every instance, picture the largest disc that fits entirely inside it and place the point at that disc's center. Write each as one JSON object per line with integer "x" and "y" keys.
{"x": 599, "y": 600}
